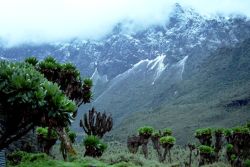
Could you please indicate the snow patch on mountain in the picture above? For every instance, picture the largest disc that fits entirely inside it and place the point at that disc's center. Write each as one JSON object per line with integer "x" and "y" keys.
{"x": 96, "y": 77}
{"x": 181, "y": 64}
{"x": 150, "y": 68}
{"x": 157, "y": 65}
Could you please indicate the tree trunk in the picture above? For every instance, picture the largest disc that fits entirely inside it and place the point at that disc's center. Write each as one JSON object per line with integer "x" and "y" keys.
{"x": 62, "y": 135}
{"x": 145, "y": 150}
{"x": 157, "y": 147}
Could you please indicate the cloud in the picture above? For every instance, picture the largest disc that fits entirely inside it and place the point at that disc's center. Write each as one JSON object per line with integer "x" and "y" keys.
{"x": 38, "y": 21}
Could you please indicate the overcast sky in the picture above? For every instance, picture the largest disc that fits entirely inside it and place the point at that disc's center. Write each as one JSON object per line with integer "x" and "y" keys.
{"x": 37, "y": 21}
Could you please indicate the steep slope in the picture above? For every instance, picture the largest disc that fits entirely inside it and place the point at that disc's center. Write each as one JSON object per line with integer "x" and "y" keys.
{"x": 216, "y": 94}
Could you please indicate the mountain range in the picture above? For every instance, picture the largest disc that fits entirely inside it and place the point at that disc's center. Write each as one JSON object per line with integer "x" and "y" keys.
{"x": 191, "y": 72}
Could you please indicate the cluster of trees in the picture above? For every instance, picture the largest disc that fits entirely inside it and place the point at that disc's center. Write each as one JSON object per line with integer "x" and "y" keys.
{"x": 45, "y": 94}
{"x": 236, "y": 141}
{"x": 160, "y": 139}
{"x": 212, "y": 141}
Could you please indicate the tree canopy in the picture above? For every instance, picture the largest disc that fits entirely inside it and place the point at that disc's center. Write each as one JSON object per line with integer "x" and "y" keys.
{"x": 27, "y": 100}
{"x": 66, "y": 76}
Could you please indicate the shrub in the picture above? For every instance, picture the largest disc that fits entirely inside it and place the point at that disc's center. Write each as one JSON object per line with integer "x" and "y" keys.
{"x": 94, "y": 146}
{"x": 16, "y": 157}
{"x": 247, "y": 163}
{"x": 229, "y": 147}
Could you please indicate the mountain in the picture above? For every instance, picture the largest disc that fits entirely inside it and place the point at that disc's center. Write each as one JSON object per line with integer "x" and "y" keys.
{"x": 216, "y": 94}
{"x": 180, "y": 74}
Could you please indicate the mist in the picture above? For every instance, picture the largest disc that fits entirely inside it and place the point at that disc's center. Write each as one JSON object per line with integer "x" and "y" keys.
{"x": 46, "y": 21}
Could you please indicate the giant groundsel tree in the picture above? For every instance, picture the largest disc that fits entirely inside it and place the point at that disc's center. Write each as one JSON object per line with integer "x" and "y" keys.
{"x": 28, "y": 100}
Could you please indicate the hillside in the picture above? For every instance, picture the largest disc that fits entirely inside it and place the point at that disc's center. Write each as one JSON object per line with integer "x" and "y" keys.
{"x": 215, "y": 94}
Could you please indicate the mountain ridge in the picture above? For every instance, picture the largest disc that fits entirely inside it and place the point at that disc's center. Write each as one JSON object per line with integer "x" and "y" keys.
{"x": 156, "y": 67}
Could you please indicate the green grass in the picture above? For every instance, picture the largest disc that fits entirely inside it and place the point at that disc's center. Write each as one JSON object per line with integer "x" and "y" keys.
{"x": 116, "y": 155}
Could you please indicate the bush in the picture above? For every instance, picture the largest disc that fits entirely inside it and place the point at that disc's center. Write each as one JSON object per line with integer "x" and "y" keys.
{"x": 17, "y": 157}
{"x": 206, "y": 149}
{"x": 247, "y": 163}
{"x": 229, "y": 147}
{"x": 94, "y": 146}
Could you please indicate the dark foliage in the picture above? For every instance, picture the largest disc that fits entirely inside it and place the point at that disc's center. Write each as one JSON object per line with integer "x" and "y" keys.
{"x": 96, "y": 123}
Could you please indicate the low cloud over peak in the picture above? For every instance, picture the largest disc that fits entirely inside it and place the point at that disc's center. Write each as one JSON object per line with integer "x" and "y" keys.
{"x": 39, "y": 21}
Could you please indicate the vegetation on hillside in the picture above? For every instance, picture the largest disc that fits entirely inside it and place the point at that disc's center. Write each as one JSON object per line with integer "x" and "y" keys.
{"x": 30, "y": 100}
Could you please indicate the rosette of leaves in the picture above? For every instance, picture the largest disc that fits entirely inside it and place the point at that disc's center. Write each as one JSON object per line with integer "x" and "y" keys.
{"x": 240, "y": 140}
{"x": 31, "y": 60}
{"x": 206, "y": 149}
{"x": 167, "y": 132}
{"x": 46, "y": 138}
{"x": 167, "y": 141}
{"x": 204, "y": 135}
{"x": 146, "y": 131}
{"x": 228, "y": 134}
{"x": 156, "y": 134}
{"x": 94, "y": 146}
{"x": 67, "y": 77}
{"x": 144, "y": 134}
{"x": 44, "y": 132}
{"x": 206, "y": 155}
{"x": 229, "y": 152}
